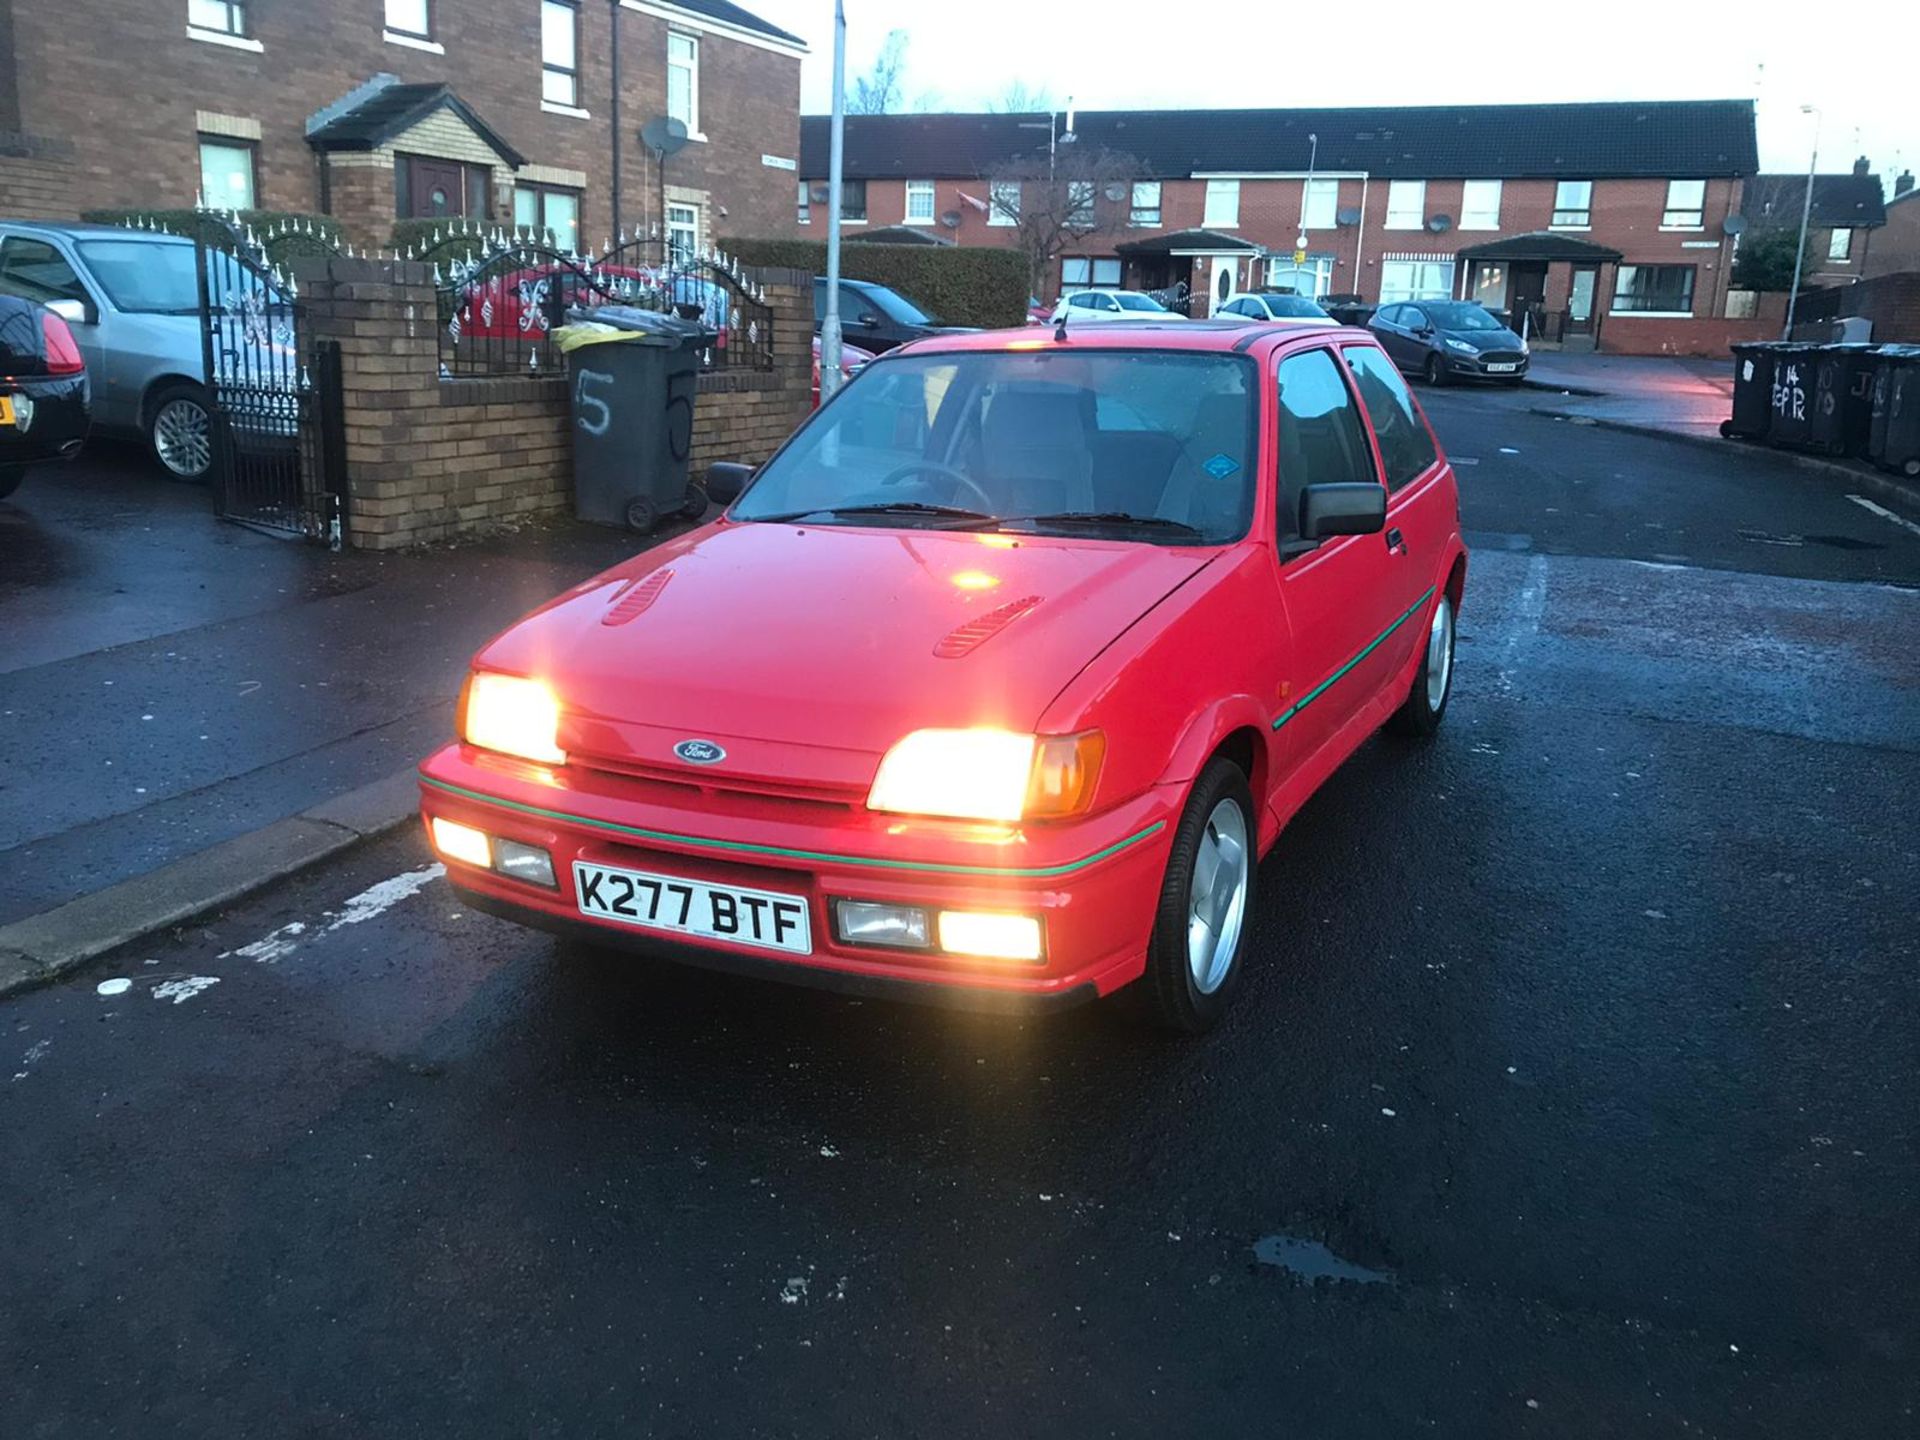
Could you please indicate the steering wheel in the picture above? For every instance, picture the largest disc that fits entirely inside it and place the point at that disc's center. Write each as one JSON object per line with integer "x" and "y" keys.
{"x": 934, "y": 467}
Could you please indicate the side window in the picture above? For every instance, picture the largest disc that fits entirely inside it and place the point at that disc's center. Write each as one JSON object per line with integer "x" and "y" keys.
{"x": 34, "y": 270}
{"x": 1406, "y": 445}
{"x": 1082, "y": 302}
{"x": 1321, "y": 441}
{"x": 1412, "y": 317}
{"x": 1388, "y": 314}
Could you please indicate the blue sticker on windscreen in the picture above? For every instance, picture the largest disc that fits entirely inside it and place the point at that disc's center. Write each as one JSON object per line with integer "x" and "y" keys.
{"x": 1221, "y": 466}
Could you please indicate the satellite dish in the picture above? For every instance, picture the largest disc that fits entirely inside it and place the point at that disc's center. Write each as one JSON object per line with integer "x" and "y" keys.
{"x": 1440, "y": 224}
{"x": 821, "y": 194}
{"x": 1734, "y": 224}
{"x": 664, "y": 135}
{"x": 1116, "y": 192}
{"x": 950, "y": 219}
{"x": 1347, "y": 217}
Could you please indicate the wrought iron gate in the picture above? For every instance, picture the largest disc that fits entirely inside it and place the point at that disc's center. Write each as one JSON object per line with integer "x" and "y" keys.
{"x": 273, "y": 399}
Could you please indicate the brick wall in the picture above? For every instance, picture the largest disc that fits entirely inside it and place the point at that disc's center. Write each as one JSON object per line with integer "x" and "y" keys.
{"x": 428, "y": 458}
{"x": 1891, "y": 302}
{"x": 1701, "y": 335}
{"x": 36, "y": 178}
{"x": 1895, "y": 248}
{"x": 122, "y": 84}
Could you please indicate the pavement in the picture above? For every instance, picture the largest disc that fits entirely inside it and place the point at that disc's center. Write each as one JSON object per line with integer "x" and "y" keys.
{"x": 1569, "y": 1094}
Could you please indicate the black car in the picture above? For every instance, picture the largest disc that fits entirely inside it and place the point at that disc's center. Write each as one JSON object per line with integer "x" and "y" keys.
{"x": 1444, "y": 340}
{"x": 45, "y": 405}
{"x": 876, "y": 318}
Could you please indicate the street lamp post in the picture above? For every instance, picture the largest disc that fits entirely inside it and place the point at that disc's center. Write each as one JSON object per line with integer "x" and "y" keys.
{"x": 830, "y": 322}
{"x": 1806, "y": 212}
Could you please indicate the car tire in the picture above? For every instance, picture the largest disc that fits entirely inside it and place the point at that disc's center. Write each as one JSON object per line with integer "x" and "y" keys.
{"x": 1426, "y": 703}
{"x": 1188, "y": 985}
{"x": 180, "y": 432}
{"x": 10, "y": 478}
{"x": 1435, "y": 371}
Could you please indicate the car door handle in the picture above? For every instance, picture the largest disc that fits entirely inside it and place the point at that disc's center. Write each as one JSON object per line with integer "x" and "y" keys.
{"x": 1396, "y": 543}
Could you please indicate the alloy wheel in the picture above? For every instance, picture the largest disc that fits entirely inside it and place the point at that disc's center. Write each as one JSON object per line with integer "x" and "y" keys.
{"x": 1440, "y": 654}
{"x": 183, "y": 439}
{"x": 1217, "y": 896}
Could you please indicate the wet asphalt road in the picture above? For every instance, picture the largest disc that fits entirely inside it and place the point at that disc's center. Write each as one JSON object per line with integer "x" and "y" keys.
{"x": 1585, "y": 1040}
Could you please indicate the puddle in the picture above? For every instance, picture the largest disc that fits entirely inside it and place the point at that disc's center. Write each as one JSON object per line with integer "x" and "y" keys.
{"x": 1311, "y": 1260}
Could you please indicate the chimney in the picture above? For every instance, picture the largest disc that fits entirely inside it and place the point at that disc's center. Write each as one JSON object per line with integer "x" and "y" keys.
{"x": 1903, "y": 182}
{"x": 1862, "y": 166}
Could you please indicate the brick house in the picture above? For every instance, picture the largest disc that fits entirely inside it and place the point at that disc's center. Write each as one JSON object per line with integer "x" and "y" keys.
{"x": 1585, "y": 220}
{"x": 1845, "y": 213}
{"x": 373, "y": 110}
{"x": 1896, "y": 249}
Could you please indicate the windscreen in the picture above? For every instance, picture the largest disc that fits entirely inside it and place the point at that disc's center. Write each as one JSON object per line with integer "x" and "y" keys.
{"x": 1456, "y": 315}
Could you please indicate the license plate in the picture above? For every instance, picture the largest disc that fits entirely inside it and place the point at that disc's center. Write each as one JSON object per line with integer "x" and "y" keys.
{"x": 761, "y": 918}
{"x": 6, "y": 410}
{"x": 1501, "y": 369}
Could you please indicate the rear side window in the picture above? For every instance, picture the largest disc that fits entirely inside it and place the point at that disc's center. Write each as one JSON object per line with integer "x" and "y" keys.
{"x": 1321, "y": 439}
{"x": 34, "y": 270}
{"x": 1406, "y": 445}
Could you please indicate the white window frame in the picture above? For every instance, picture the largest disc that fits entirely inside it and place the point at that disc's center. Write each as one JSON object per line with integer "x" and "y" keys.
{"x": 1678, "y": 214}
{"x": 1406, "y": 205}
{"x": 1584, "y": 209}
{"x": 1621, "y": 275}
{"x": 676, "y": 210}
{"x": 252, "y": 152}
{"x": 399, "y": 26}
{"x": 1320, "y": 205}
{"x": 804, "y": 205}
{"x": 1223, "y": 205}
{"x": 1003, "y": 196}
{"x": 550, "y": 68}
{"x": 690, "y": 64}
{"x": 1480, "y": 205}
{"x": 1081, "y": 202}
{"x": 1139, "y": 206}
{"x": 1840, "y": 243}
{"x": 919, "y": 190}
{"x": 232, "y": 22}
{"x": 1416, "y": 279}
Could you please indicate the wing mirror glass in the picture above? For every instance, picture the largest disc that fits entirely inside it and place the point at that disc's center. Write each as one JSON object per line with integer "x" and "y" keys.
{"x": 726, "y": 479}
{"x": 1345, "y": 508}
{"x": 74, "y": 312}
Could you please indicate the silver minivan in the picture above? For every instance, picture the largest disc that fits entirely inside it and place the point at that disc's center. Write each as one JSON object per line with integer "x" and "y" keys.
{"x": 133, "y": 302}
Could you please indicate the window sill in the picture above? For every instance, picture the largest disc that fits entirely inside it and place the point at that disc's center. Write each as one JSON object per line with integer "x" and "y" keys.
{"x": 413, "y": 42}
{"x": 1682, "y": 229}
{"x": 572, "y": 112}
{"x": 845, "y": 221}
{"x": 1570, "y": 227}
{"x": 1650, "y": 315}
{"x": 1402, "y": 225}
{"x": 1465, "y": 226}
{"x": 220, "y": 37}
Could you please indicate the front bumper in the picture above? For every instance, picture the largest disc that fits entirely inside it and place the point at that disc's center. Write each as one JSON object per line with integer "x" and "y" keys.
{"x": 1483, "y": 366}
{"x": 1095, "y": 883}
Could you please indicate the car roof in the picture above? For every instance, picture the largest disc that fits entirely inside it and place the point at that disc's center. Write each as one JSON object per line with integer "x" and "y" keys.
{"x": 1222, "y": 334}
{"x": 82, "y": 231}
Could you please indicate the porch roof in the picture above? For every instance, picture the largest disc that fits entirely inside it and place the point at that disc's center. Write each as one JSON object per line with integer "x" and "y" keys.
{"x": 1539, "y": 245}
{"x": 1188, "y": 242}
{"x": 375, "y": 113}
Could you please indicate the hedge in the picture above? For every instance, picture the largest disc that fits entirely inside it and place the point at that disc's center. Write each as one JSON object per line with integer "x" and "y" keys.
{"x": 957, "y": 284}
{"x": 324, "y": 239}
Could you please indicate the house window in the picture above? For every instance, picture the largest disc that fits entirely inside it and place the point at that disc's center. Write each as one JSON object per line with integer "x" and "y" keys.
{"x": 920, "y": 202}
{"x": 410, "y": 17}
{"x": 226, "y": 174}
{"x": 1839, "y": 243}
{"x": 1145, "y": 209}
{"x": 803, "y": 202}
{"x": 1080, "y": 202}
{"x": 853, "y": 200}
{"x": 1686, "y": 205}
{"x": 1078, "y": 272}
{"x": 1415, "y": 280}
{"x": 1654, "y": 289}
{"x": 683, "y": 233}
{"x": 1320, "y": 205}
{"x": 1223, "y": 203}
{"x": 1573, "y": 204}
{"x": 223, "y": 17}
{"x": 549, "y": 207}
{"x": 559, "y": 53}
{"x": 1406, "y": 204}
{"x": 1480, "y": 205}
{"x": 683, "y": 80}
{"x": 1003, "y": 204}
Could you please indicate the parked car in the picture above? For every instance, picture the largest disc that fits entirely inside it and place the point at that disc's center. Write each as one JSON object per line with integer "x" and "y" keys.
{"x": 875, "y": 317}
{"x": 852, "y": 360}
{"x": 993, "y": 684}
{"x": 1442, "y": 340}
{"x": 518, "y": 305}
{"x": 133, "y": 302}
{"x": 1085, "y": 307}
{"x": 44, "y": 404}
{"x": 1348, "y": 308}
{"x": 1274, "y": 305}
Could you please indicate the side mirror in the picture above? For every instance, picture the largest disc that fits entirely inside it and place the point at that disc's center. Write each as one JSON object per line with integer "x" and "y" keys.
{"x": 868, "y": 321}
{"x": 1344, "y": 508}
{"x": 727, "y": 478}
{"x": 74, "y": 312}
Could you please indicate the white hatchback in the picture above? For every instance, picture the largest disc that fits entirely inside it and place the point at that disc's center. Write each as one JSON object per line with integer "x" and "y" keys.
{"x": 1085, "y": 306}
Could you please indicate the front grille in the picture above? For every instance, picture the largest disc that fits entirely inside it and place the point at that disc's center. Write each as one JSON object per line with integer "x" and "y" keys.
{"x": 1501, "y": 357}
{"x": 718, "y": 792}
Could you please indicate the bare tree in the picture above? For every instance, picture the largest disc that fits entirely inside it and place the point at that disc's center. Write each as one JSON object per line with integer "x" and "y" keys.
{"x": 1060, "y": 200}
{"x": 1017, "y": 97}
{"x": 880, "y": 90}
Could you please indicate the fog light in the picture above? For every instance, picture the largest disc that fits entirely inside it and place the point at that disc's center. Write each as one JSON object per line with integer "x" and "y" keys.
{"x": 523, "y": 862}
{"x": 993, "y": 937}
{"x": 462, "y": 842}
{"x": 864, "y": 922}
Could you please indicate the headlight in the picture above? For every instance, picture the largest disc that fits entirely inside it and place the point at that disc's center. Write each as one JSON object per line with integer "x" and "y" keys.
{"x": 989, "y": 774}
{"x": 513, "y": 715}
{"x": 1463, "y": 346}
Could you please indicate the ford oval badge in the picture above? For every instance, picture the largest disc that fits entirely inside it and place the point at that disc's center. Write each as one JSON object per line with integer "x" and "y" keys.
{"x": 699, "y": 752}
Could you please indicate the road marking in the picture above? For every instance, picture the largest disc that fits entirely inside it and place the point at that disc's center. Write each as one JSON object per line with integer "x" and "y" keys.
{"x": 1884, "y": 513}
{"x": 1528, "y": 607}
{"x": 181, "y": 991}
{"x": 373, "y": 901}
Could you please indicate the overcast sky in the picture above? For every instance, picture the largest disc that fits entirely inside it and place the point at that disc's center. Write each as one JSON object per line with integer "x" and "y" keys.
{"x": 1848, "y": 58}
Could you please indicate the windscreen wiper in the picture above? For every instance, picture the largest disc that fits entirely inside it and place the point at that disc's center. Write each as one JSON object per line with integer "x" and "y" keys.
{"x": 1103, "y": 517}
{"x": 884, "y": 507}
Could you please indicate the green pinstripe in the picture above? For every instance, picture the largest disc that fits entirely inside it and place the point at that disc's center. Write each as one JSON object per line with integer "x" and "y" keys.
{"x": 1326, "y": 684}
{"x": 1034, "y": 872}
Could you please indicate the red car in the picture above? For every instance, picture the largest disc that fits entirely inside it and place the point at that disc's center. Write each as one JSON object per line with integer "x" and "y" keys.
{"x": 992, "y": 684}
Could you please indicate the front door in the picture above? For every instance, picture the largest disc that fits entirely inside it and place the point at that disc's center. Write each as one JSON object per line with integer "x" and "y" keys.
{"x": 1586, "y": 279}
{"x": 438, "y": 188}
{"x": 1222, "y": 288}
{"x": 1527, "y": 297}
